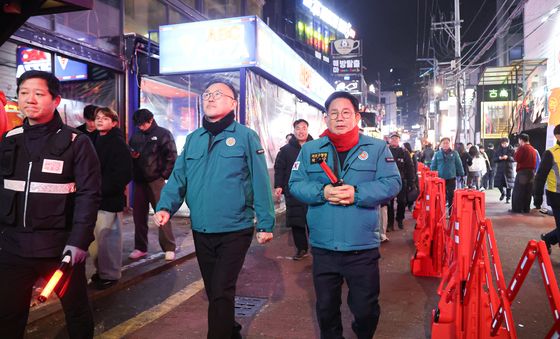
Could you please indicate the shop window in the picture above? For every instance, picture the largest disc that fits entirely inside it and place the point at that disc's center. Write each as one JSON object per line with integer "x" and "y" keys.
{"x": 142, "y": 16}
{"x": 177, "y": 18}
{"x": 175, "y": 100}
{"x": 217, "y": 9}
{"x": 99, "y": 27}
{"x": 255, "y": 7}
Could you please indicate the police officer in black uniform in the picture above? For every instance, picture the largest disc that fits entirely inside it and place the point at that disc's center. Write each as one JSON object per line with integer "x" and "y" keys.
{"x": 406, "y": 170}
{"x": 49, "y": 192}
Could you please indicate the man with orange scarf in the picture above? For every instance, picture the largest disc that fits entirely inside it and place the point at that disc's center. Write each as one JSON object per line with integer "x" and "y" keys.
{"x": 343, "y": 218}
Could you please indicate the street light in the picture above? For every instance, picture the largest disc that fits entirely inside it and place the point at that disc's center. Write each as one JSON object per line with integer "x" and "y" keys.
{"x": 438, "y": 89}
{"x": 372, "y": 88}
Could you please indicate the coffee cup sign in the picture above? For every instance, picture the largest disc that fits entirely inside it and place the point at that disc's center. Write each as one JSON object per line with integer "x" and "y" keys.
{"x": 346, "y": 46}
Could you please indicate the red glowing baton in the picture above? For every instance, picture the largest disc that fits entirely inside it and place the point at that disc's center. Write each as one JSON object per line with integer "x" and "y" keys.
{"x": 334, "y": 180}
{"x": 54, "y": 280}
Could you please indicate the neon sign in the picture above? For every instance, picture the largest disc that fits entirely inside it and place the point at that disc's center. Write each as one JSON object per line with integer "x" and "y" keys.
{"x": 319, "y": 10}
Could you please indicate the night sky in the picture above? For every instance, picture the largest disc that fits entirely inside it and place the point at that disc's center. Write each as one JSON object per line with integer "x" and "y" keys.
{"x": 390, "y": 30}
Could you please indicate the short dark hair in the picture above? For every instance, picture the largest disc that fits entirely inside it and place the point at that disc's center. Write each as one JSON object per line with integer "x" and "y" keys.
{"x": 524, "y": 136}
{"x": 491, "y": 145}
{"x": 89, "y": 112}
{"x": 222, "y": 81}
{"x": 557, "y": 129}
{"x": 504, "y": 140}
{"x": 141, "y": 116}
{"x": 345, "y": 95}
{"x": 444, "y": 138}
{"x": 298, "y": 121}
{"x": 52, "y": 81}
{"x": 408, "y": 146}
{"x": 108, "y": 112}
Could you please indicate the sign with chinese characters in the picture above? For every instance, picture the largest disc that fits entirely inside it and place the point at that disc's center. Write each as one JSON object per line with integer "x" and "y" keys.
{"x": 496, "y": 92}
{"x": 347, "y": 66}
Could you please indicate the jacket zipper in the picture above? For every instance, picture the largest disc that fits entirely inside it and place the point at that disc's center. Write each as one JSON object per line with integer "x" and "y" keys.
{"x": 27, "y": 184}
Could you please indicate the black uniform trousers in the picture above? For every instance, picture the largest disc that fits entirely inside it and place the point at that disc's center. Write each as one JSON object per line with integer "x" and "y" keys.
{"x": 299, "y": 234}
{"x": 450, "y": 185}
{"x": 360, "y": 270}
{"x": 17, "y": 277}
{"x": 220, "y": 258}
{"x": 522, "y": 191}
{"x": 401, "y": 208}
{"x": 553, "y": 237}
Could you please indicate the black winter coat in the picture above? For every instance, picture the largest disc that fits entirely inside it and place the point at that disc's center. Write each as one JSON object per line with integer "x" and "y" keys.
{"x": 157, "y": 153}
{"x": 505, "y": 176}
{"x": 116, "y": 169}
{"x": 295, "y": 210}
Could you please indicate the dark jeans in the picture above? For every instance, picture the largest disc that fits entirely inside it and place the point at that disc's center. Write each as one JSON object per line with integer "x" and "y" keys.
{"x": 145, "y": 194}
{"x": 18, "y": 276}
{"x": 488, "y": 180}
{"x": 522, "y": 191}
{"x": 220, "y": 258}
{"x": 450, "y": 185}
{"x": 507, "y": 192}
{"x": 401, "y": 208}
{"x": 360, "y": 270}
{"x": 299, "y": 233}
{"x": 553, "y": 237}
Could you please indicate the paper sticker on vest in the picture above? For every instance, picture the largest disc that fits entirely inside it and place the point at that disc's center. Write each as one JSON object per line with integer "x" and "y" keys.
{"x": 52, "y": 166}
{"x": 296, "y": 166}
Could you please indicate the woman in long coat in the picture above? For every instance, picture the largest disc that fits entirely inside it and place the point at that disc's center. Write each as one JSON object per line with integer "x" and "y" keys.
{"x": 505, "y": 176}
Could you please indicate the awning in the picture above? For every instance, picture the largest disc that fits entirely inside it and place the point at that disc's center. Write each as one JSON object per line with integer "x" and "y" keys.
{"x": 15, "y": 13}
{"x": 512, "y": 74}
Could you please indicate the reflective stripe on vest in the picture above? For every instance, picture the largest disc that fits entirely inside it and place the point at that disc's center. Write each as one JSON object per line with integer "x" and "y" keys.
{"x": 40, "y": 187}
{"x": 553, "y": 179}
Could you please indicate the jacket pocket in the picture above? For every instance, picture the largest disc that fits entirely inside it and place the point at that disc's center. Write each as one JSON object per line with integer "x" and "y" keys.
{"x": 363, "y": 170}
{"x": 7, "y": 159}
{"x": 47, "y": 212}
{"x": 8, "y": 207}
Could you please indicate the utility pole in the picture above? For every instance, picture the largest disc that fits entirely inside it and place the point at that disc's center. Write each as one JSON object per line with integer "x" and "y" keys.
{"x": 453, "y": 28}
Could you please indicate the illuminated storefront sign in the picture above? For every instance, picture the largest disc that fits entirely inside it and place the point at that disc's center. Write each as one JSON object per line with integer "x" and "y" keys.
{"x": 235, "y": 43}
{"x": 328, "y": 16}
{"x": 346, "y": 66}
{"x": 496, "y": 93}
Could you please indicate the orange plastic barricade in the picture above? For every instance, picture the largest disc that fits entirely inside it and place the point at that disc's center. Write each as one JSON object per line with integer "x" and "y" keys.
{"x": 420, "y": 214}
{"x": 429, "y": 240}
{"x": 533, "y": 251}
{"x": 422, "y": 169}
{"x": 468, "y": 295}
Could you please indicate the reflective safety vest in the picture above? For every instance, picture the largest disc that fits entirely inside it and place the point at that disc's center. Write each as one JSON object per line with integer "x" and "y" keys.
{"x": 553, "y": 179}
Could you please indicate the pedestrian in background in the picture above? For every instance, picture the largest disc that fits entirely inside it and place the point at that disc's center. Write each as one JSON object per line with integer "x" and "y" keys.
{"x": 448, "y": 164}
{"x": 526, "y": 159}
{"x": 223, "y": 177}
{"x": 153, "y": 153}
{"x": 477, "y": 168}
{"x": 505, "y": 177}
{"x": 486, "y": 176}
{"x": 549, "y": 174}
{"x": 88, "y": 127}
{"x": 116, "y": 171}
{"x": 465, "y": 161}
{"x": 55, "y": 215}
{"x": 295, "y": 210}
{"x": 411, "y": 198}
{"x": 427, "y": 154}
{"x": 491, "y": 152}
{"x": 406, "y": 170}
{"x": 343, "y": 220}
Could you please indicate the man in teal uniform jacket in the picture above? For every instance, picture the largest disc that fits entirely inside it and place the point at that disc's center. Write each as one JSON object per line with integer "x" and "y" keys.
{"x": 343, "y": 220}
{"x": 222, "y": 175}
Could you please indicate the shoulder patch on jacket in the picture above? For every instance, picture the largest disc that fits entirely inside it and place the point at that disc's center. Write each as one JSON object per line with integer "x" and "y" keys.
{"x": 260, "y": 151}
{"x": 15, "y": 131}
{"x": 389, "y": 159}
{"x": 318, "y": 157}
{"x": 295, "y": 167}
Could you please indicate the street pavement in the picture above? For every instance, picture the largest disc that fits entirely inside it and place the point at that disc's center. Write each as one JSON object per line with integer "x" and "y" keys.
{"x": 285, "y": 288}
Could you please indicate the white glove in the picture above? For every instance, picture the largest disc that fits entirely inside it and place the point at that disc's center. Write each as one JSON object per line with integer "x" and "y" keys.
{"x": 78, "y": 255}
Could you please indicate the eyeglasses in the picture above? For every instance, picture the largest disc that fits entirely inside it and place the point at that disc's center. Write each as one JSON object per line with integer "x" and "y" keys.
{"x": 345, "y": 115}
{"x": 216, "y": 96}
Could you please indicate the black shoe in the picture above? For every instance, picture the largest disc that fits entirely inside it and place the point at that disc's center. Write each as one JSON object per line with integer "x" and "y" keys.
{"x": 95, "y": 277}
{"x": 400, "y": 223}
{"x": 300, "y": 255}
{"x": 390, "y": 228}
{"x": 103, "y": 284}
{"x": 502, "y": 196}
{"x": 507, "y": 200}
{"x": 548, "y": 246}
